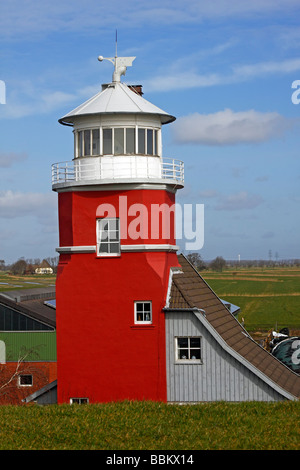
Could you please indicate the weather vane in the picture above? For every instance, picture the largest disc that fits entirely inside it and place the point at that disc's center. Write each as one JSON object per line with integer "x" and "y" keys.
{"x": 120, "y": 63}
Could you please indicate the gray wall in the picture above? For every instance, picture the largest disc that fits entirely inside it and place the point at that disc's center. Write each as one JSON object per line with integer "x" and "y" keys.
{"x": 219, "y": 377}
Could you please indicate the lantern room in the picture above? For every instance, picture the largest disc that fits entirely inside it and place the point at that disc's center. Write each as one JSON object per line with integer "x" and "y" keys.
{"x": 117, "y": 134}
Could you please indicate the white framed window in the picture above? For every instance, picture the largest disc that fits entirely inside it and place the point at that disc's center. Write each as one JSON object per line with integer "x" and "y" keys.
{"x": 79, "y": 401}
{"x": 108, "y": 237}
{"x": 188, "y": 349}
{"x": 116, "y": 141}
{"x": 119, "y": 141}
{"x": 147, "y": 141}
{"x": 25, "y": 380}
{"x": 143, "y": 312}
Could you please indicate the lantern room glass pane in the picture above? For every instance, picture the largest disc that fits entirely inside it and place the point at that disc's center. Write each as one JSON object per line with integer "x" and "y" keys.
{"x": 80, "y": 143}
{"x": 141, "y": 141}
{"x": 87, "y": 142}
{"x": 95, "y": 142}
{"x": 155, "y": 143}
{"x": 107, "y": 141}
{"x": 130, "y": 140}
{"x": 119, "y": 141}
{"x": 149, "y": 142}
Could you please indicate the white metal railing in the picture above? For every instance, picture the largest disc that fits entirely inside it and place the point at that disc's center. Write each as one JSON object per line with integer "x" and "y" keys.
{"x": 108, "y": 167}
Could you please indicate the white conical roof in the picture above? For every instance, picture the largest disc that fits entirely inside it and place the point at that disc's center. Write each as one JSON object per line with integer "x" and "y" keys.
{"x": 116, "y": 98}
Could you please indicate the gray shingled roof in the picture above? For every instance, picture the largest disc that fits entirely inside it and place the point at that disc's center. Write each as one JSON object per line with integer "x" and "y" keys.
{"x": 189, "y": 291}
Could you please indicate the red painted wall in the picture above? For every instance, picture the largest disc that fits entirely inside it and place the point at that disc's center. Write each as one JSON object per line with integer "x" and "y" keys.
{"x": 101, "y": 354}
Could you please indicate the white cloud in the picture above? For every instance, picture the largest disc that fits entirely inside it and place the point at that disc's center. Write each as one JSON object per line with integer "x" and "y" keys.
{"x": 228, "y": 127}
{"x": 239, "y": 201}
{"x": 18, "y": 204}
{"x": 29, "y": 16}
{"x": 183, "y": 77}
{"x": 27, "y": 101}
{"x": 7, "y": 159}
{"x": 265, "y": 68}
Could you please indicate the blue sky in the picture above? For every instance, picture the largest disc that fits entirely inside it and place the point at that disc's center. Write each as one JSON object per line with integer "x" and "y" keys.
{"x": 225, "y": 69}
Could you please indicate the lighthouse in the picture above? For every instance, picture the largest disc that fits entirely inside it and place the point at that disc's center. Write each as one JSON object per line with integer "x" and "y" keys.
{"x": 117, "y": 247}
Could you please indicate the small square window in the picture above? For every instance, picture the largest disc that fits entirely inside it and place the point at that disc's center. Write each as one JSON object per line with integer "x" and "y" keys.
{"x": 188, "y": 349}
{"x": 25, "y": 380}
{"x": 143, "y": 312}
{"x": 79, "y": 401}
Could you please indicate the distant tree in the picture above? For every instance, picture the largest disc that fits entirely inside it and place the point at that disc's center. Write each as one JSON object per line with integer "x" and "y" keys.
{"x": 19, "y": 267}
{"x": 218, "y": 264}
{"x": 196, "y": 261}
{"x": 53, "y": 261}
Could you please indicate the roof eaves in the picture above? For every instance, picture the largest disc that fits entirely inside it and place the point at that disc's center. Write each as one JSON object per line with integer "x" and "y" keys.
{"x": 40, "y": 392}
{"x": 241, "y": 358}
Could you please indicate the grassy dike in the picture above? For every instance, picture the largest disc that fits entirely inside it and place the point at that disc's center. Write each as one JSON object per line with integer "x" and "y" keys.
{"x": 151, "y": 426}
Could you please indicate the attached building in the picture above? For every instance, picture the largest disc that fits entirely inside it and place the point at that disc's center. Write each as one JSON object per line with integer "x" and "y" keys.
{"x": 27, "y": 343}
{"x": 210, "y": 356}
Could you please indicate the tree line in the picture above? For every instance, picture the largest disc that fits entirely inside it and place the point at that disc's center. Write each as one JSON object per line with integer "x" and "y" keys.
{"x": 27, "y": 266}
{"x": 219, "y": 263}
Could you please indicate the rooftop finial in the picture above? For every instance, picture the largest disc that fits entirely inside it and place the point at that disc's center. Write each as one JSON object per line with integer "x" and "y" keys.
{"x": 120, "y": 63}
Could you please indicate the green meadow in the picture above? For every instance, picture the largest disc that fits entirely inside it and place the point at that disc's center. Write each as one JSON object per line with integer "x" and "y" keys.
{"x": 268, "y": 298}
{"x": 149, "y": 425}
{"x": 14, "y": 282}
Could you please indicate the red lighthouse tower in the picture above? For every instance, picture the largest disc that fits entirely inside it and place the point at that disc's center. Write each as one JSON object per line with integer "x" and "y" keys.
{"x": 117, "y": 246}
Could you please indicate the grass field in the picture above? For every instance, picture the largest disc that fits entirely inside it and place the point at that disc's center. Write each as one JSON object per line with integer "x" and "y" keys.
{"x": 151, "y": 426}
{"x": 268, "y": 298}
{"x": 12, "y": 282}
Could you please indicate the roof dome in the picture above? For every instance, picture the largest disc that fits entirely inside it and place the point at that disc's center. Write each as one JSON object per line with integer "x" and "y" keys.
{"x": 116, "y": 98}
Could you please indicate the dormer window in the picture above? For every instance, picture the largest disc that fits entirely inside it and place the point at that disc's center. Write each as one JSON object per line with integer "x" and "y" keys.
{"x": 116, "y": 141}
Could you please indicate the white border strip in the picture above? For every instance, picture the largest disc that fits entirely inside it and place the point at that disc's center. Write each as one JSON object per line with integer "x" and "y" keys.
{"x": 124, "y": 248}
{"x": 149, "y": 248}
{"x": 76, "y": 249}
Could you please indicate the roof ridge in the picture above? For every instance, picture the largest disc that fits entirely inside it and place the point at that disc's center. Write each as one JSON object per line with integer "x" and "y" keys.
{"x": 126, "y": 90}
